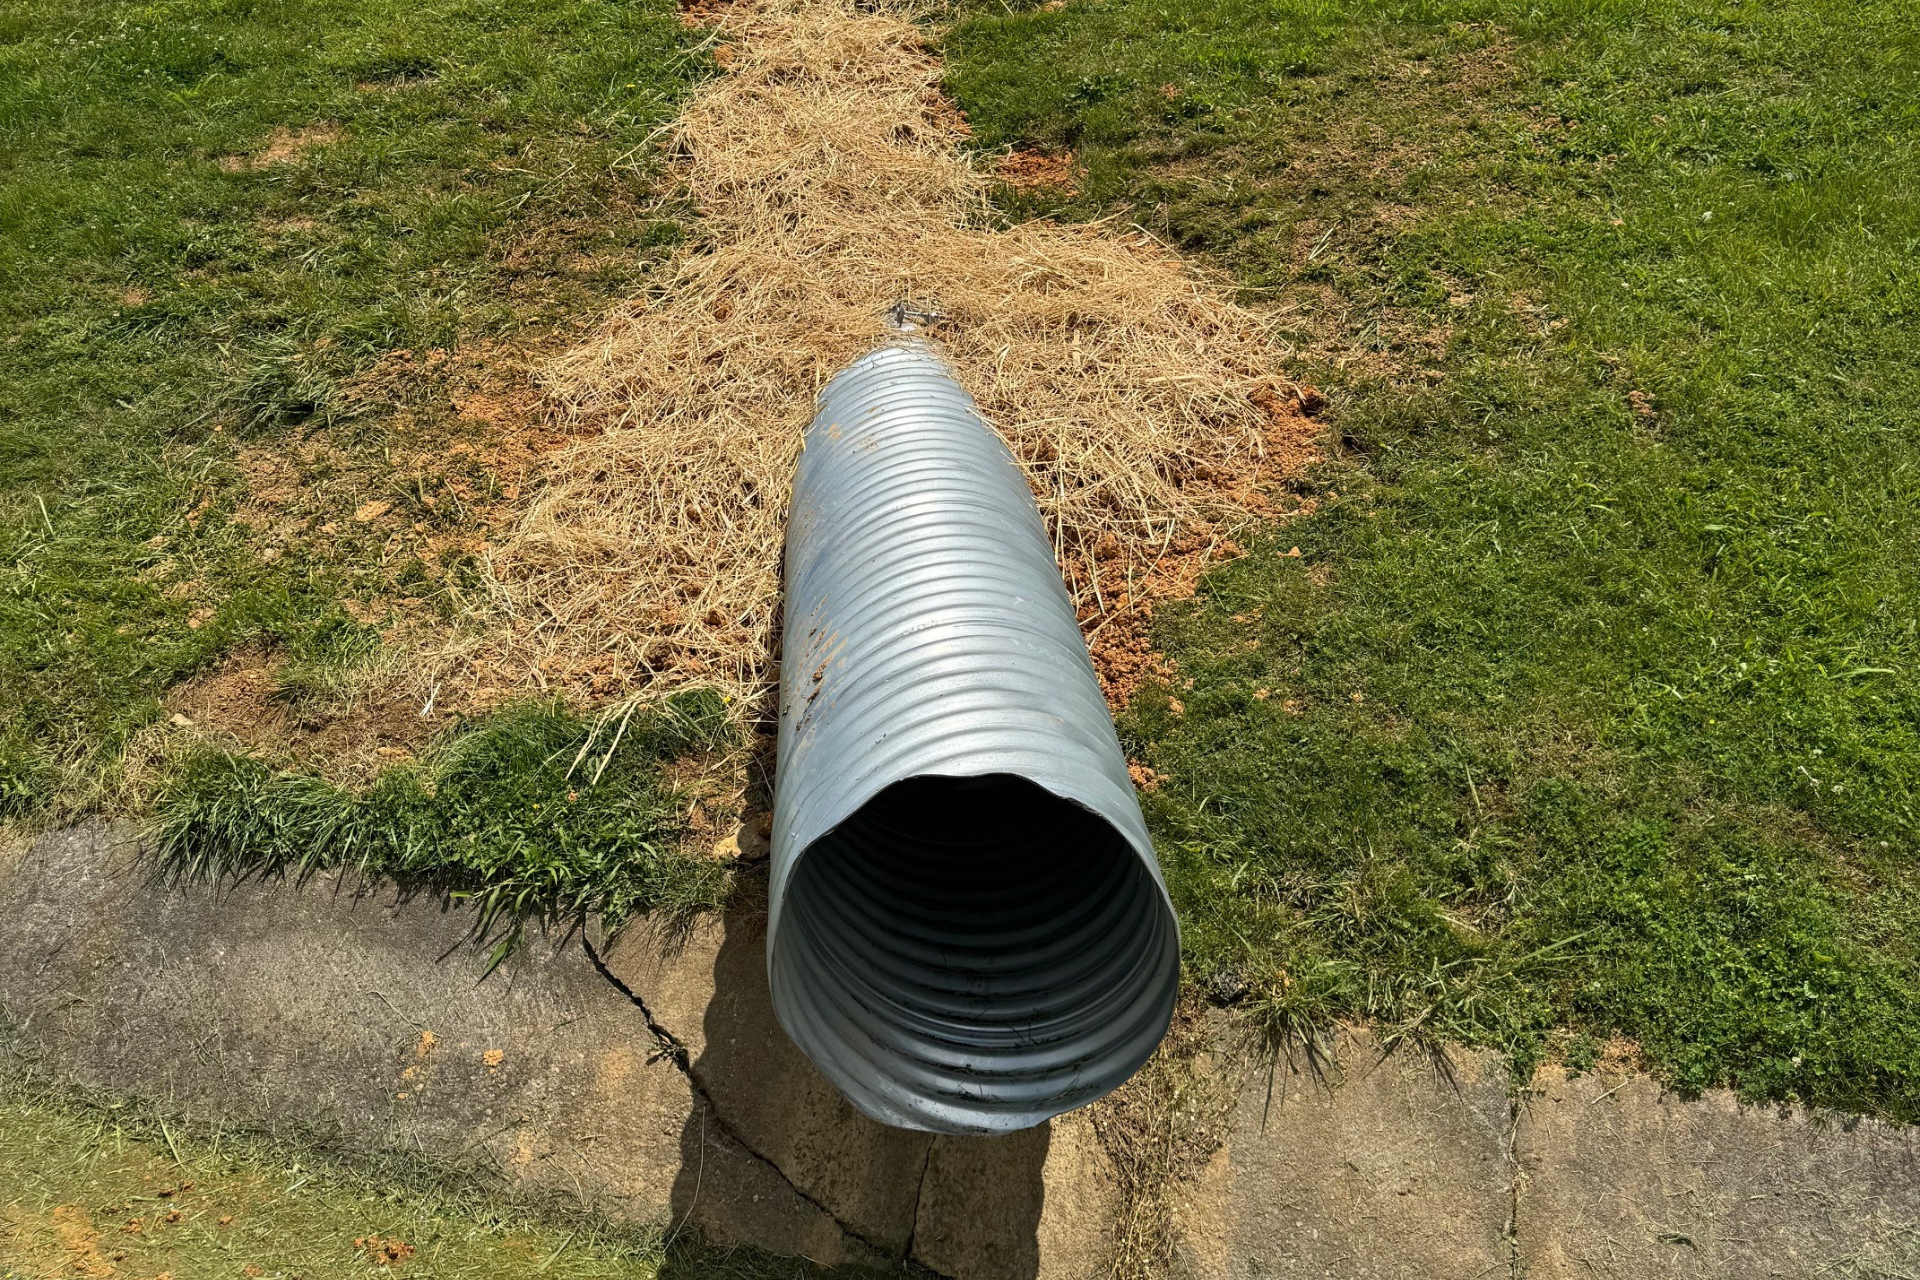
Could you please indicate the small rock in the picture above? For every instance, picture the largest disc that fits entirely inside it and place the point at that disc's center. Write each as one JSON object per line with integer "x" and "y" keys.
{"x": 1226, "y": 987}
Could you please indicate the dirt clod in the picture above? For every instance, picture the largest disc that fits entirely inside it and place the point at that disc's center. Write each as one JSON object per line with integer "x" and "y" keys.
{"x": 1037, "y": 170}
{"x": 384, "y": 1252}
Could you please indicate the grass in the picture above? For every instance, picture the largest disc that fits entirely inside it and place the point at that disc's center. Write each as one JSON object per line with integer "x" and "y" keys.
{"x": 1587, "y": 710}
{"x": 234, "y": 226}
{"x": 535, "y": 811}
{"x": 1589, "y": 707}
{"x": 94, "y": 1189}
{"x": 302, "y": 232}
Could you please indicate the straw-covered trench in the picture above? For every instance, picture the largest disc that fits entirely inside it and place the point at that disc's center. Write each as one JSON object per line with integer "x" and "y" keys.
{"x": 833, "y": 182}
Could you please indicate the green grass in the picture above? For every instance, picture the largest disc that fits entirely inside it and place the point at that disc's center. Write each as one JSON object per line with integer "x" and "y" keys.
{"x": 534, "y": 811}
{"x": 167, "y": 296}
{"x": 218, "y": 1203}
{"x": 1592, "y": 704}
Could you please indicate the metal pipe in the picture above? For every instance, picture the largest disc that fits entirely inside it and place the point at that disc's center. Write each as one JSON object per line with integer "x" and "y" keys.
{"x": 969, "y": 930}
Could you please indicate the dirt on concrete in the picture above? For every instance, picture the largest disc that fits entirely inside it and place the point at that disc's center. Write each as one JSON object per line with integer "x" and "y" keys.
{"x": 1371, "y": 1164}
{"x": 358, "y": 1017}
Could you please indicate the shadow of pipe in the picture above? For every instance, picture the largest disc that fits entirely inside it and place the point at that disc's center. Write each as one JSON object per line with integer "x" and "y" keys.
{"x": 962, "y": 1207}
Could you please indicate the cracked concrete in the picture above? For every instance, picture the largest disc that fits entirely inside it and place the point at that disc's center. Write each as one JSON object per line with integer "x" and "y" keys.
{"x": 359, "y": 1015}
{"x": 648, "y": 1077}
{"x": 713, "y": 1123}
{"x": 974, "y": 1207}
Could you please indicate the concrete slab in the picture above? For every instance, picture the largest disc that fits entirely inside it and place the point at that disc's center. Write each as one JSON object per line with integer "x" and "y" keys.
{"x": 1037, "y": 1205}
{"x": 1383, "y": 1169}
{"x": 1620, "y": 1178}
{"x": 708, "y": 990}
{"x": 662, "y": 1090}
{"x": 365, "y": 1018}
{"x": 1031, "y": 1206}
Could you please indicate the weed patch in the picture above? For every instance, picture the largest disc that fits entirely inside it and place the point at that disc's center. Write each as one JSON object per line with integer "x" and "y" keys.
{"x": 535, "y": 811}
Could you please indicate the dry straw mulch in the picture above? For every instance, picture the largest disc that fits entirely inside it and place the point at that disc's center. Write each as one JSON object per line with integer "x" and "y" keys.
{"x": 833, "y": 183}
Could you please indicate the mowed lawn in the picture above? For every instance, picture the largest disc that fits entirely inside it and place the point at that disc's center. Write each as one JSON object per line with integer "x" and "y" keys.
{"x": 280, "y": 226}
{"x": 1589, "y": 708}
{"x": 303, "y": 232}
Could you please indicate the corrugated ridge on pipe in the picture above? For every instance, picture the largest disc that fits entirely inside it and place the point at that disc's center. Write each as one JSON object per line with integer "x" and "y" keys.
{"x": 969, "y": 930}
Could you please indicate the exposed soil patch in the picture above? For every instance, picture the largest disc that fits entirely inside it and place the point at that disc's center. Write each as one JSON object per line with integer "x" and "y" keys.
{"x": 284, "y": 146}
{"x": 244, "y": 704}
{"x": 1622, "y": 1056}
{"x": 1119, "y": 636}
{"x": 705, "y": 13}
{"x": 467, "y": 433}
{"x": 1035, "y": 170}
{"x": 420, "y": 464}
{"x": 79, "y": 1241}
{"x": 1615, "y": 1056}
{"x": 382, "y": 1252}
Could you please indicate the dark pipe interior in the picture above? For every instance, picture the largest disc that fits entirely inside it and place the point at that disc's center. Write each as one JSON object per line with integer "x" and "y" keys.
{"x": 981, "y": 933}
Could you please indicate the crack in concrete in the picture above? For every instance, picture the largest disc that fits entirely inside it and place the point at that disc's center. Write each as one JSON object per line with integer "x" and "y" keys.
{"x": 1512, "y": 1231}
{"x": 919, "y": 1189}
{"x": 675, "y": 1051}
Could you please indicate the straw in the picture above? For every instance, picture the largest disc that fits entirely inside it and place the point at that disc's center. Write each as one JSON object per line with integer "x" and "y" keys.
{"x": 832, "y": 182}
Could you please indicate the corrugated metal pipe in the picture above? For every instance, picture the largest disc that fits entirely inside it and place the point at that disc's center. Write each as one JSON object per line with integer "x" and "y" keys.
{"x": 969, "y": 930}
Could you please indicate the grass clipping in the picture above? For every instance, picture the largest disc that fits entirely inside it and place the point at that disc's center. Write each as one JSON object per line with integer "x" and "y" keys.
{"x": 833, "y": 183}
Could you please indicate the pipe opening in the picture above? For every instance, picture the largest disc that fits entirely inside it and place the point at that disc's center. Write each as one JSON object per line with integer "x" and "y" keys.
{"x": 977, "y": 952}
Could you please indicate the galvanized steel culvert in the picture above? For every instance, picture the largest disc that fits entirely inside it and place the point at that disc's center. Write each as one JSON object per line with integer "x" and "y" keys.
{"x": 969, "y": 930}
